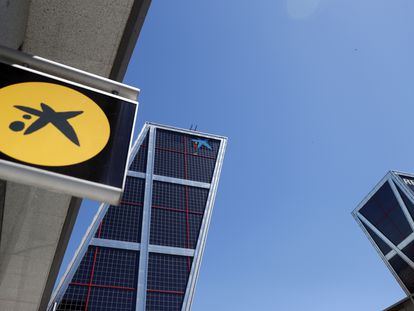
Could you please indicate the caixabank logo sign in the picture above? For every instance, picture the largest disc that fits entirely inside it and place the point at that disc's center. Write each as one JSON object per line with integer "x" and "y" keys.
{"x": 50, "y": 124}
{"x": 64, "y": 128}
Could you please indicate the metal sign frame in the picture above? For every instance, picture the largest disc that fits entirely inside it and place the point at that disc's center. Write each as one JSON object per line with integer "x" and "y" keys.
{"x": 33, "y": 176}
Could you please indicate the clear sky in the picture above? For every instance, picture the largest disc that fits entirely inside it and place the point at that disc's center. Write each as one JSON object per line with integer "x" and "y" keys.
{"x": 317, "y": 100}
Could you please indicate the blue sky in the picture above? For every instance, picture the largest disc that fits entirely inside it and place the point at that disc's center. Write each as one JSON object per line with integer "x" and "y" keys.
{"x": 316, "y": 98}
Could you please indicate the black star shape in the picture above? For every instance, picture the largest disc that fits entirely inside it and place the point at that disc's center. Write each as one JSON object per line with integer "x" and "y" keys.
{"x": 58, "y": 119}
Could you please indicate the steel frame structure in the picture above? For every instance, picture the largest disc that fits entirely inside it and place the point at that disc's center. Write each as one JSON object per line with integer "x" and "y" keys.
{"x": 145, "y": 247}
{"x": 394, "y": 180}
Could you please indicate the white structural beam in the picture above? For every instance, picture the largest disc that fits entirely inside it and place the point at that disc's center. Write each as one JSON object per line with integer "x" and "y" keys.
{"x": 146, "y": 223}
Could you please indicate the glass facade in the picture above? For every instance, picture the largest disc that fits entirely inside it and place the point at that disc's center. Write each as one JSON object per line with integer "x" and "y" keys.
{"x": 178, "y": 155}
{"x": 104, "y": 280}
{"x": 386, "y": 216}
{"x": 175, "y": 219}
{"x": 167, "y": 281}
{"x": 385, "y": 213}
{"x": 140, "y": 254}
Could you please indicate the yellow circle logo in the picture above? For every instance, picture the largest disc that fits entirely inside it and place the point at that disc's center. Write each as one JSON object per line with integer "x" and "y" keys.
{"x": 49, "y": 124}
